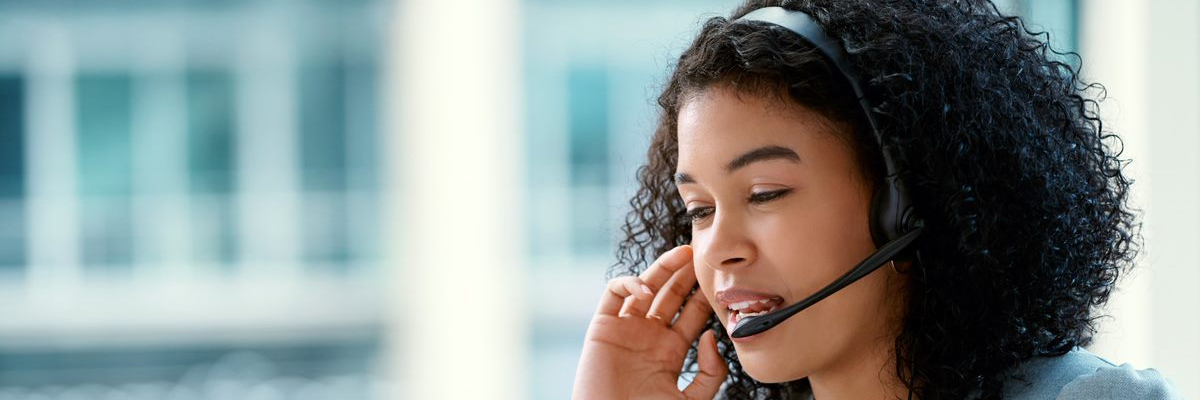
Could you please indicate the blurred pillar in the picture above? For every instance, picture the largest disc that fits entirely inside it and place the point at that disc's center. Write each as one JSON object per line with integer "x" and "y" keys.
{"x": 1118, "y": 61}
{"x": 1174, "y": 225}
{"x": 1146, "y": 54}
{"x": 267, "y": 178}
{"x": 162, "y": 233}
{"x": 453, "y": 168}
{"x": 52, "y": 174}
{"x": 1173, "y": 217}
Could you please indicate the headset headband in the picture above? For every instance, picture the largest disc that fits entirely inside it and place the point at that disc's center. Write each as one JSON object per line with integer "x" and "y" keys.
{"x": 802, "y": 24}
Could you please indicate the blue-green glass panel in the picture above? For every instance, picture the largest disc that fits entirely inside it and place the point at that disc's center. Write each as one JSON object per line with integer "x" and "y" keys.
{"x": 104, "y": 110}
{"x": 104, "y": 114}
{"x": 322, "y": 126}
{"x": 1058, "y": 18}
{"x": 210, "y": 131}
{"x": 587, "y": 105}
{"x": 362, "y": 124}
{"x": 12, "y": 172}
{"x": 12, "y": 134}
{"x": 323, "y": 163}
{"x": 212, "y": 164}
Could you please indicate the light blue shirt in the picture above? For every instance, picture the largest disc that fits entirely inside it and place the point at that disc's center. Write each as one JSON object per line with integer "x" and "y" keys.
{"x": 1081, "y": 375}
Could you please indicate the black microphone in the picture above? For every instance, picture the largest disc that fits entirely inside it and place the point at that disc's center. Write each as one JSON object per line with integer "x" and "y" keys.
{"x": 755, "y": 325}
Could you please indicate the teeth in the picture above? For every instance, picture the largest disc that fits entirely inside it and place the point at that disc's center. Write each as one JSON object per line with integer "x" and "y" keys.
{"x": 737, "y": 316}
{"x": 744, "y": 304}
{"x": 741, "y": 305}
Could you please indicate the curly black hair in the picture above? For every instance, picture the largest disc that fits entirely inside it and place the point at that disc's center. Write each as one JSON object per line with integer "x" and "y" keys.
{"x": 1020, "y": 186}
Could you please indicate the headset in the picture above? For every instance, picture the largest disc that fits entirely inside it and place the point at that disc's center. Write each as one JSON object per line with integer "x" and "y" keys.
{"x": 895, "y": 224}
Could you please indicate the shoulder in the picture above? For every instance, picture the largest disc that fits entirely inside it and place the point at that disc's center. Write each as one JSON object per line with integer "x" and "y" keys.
{"x": 1080, "y": 374}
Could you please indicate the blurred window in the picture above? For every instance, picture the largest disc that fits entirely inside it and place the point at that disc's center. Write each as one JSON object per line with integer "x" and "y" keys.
{"x": 212, "y": 165}
{"x": 587, "y": 107}
{"x": 12, "y": 173}
{"x": 323, "y": 162}
{"x": 103, "y": 120}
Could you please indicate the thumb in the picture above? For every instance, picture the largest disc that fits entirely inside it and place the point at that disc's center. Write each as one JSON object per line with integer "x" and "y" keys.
{"x": 712, "y": 370}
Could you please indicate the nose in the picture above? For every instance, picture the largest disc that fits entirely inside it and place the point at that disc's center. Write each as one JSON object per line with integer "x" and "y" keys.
{"x": 726, "y": 244}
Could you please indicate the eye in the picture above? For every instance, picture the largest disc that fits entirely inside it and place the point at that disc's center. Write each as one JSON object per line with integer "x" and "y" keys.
{"x": 698, "y": 213}
{"x": 763, "y": 197}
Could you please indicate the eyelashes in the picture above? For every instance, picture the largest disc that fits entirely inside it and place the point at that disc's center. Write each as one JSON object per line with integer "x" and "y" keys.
{"x": 699, "y": 213}
{"x": 763, "y": 197}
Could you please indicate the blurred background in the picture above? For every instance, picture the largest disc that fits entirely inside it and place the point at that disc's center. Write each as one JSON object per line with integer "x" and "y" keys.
{"x": 413, "y": 199}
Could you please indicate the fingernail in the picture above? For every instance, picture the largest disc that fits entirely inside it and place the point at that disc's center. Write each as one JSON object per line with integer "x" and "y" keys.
{"x": 646, "y": 289}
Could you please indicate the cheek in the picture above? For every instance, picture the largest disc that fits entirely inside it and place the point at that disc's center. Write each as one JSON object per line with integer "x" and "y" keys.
{"x": 700, "y": 246}
{"x": 817, "y": 241}
{"x": 811, "y": 226}
{"x": 704, "y": 277}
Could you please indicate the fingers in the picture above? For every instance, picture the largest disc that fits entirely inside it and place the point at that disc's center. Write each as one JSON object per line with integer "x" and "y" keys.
{"x": 637, "y": 305}
{"x": 655, "y": 277}
{"x": 666, "y": 265}
{"x": 619, "y": 289}
{"x": 693, "y": 317}
{"x": 712, "y": 370}
{"x": 672, "y": 294}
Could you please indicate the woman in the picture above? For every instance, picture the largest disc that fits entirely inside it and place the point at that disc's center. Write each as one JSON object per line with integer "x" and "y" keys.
{"x": 768, "y": 179}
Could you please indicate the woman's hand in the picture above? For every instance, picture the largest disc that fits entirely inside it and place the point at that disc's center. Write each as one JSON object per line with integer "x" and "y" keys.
{"x": 635, "y": 345}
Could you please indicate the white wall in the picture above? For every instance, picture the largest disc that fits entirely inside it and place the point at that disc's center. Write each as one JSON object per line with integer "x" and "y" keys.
{"x": 1146, "y": 54}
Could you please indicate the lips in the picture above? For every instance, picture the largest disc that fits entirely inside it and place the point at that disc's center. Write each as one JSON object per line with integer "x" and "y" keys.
{"x": 745, "y": 303}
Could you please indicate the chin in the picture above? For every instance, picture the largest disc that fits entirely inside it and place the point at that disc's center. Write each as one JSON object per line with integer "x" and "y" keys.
{"x": 769, "y": 366}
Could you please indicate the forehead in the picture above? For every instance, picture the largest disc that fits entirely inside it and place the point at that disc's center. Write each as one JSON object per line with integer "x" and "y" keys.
{"x": 718, "y": 123}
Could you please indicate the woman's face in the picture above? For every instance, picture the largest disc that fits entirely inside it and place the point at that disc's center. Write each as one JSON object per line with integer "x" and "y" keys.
{"x": 780, "y": 209}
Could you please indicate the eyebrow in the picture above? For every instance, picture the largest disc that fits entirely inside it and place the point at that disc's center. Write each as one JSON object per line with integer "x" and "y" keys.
{"x": 764, "y": 153}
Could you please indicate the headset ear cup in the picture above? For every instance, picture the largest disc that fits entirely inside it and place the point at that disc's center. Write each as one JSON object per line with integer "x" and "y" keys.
{"x": 892, "y": 215}
{"x": 879, "y": 219}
